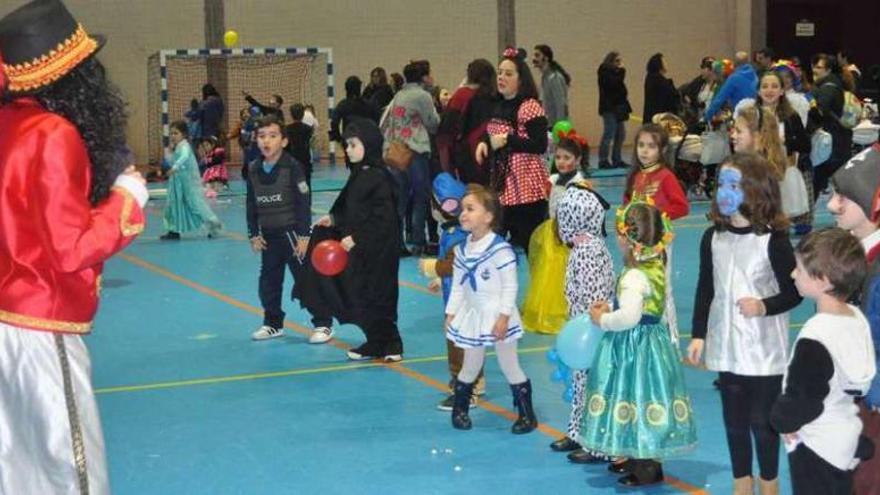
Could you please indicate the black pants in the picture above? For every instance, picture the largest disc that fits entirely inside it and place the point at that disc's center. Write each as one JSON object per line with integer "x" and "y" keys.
{"x": 381, "y": 332}
{"x": 746, "y": 402}
{"x": 278, "y": 256}
{"x": 822, "y": 174}
{"x": 810, "y": 474}
{"x": 521, "y": 220}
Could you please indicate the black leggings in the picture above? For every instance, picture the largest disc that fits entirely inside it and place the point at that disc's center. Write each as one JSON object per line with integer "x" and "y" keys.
{"x": 522, "y": 220}
{"x": 746, "y": 402}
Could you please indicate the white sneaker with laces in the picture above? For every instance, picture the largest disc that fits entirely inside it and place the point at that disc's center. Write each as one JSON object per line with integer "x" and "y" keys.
{"x": 321, "y": 335}
{"x": 266, "y": 332}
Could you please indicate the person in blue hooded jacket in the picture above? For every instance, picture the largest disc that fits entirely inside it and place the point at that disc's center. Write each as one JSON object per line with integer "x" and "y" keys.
{"x": 742, "y": 83}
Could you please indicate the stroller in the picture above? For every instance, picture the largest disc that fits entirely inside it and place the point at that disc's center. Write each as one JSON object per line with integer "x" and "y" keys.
{"x": 683, "y": 153}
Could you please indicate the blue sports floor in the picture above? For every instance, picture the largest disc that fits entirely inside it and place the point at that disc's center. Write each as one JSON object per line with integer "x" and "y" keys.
{"x": 190, "y": 405}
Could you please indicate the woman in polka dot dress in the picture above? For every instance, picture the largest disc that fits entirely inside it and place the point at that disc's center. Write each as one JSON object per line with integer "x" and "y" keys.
{"x": 513, "y": 149}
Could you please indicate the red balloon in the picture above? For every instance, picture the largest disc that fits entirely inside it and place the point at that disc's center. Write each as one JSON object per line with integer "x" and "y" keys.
{"x": 329, "y": 257}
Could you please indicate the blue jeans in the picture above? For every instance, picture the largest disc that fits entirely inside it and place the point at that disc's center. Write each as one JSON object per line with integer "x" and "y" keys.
{"x": 613, "y": 130}
{"x": 420, "y": 188}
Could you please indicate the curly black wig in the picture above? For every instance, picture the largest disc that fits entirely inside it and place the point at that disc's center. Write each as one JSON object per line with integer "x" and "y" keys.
{"x": 93, "y": 104}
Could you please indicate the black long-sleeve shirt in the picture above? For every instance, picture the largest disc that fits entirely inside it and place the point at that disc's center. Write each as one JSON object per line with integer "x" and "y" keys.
{"x": 806, "y": 387}
{"x": 782, "y": 261}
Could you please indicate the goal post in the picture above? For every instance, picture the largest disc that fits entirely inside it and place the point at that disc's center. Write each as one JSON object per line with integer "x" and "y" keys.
{"x": 297, "y": 74}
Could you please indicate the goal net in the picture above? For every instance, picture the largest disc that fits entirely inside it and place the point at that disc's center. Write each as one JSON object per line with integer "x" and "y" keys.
{"x": 299, "y": 75}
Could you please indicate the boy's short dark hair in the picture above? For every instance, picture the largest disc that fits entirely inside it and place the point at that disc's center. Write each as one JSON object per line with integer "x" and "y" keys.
{"x": 279, "y": 100}
{"x": 416, "y": 70}
{"x": 269, "y": 120}
{"x": 836, "y": 255}
{"x": 297, "y": 111}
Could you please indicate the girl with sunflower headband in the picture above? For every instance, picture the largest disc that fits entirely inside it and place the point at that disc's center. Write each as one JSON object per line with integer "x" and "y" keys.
{"x": 637, "y": 403}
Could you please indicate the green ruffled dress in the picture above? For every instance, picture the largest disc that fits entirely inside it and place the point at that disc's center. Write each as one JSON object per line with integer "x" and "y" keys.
{"x": 637, "y": 403}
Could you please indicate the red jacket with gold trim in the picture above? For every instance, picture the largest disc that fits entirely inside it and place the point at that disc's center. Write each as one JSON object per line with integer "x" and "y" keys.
{"x": 53, "y": 241}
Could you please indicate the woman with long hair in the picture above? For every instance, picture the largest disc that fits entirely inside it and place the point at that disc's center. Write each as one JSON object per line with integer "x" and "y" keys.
{"x": 513, "y": 148}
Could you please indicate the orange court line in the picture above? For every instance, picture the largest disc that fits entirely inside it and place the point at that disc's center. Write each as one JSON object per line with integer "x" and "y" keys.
{"x": 403, "y": 283}
{"x": 442, "y": 387}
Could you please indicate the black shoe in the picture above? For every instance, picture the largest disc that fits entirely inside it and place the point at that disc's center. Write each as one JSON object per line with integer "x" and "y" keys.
{"x": 605, "y": 164}
{"x": 644, "y": 472}
{"x": 581, "y": 456}
{"x": 621, "y": 164}
{"x": 393, "y": 352}
{"x": 404, "y": 252}
{"x": 564, "y": 444}
{"x": 363, "y": 352}
{"x": 170, "y": 236}
{"x": 522, "y": 401}
{"x": 622, "y": 467}
{"x": 460, "y": 403}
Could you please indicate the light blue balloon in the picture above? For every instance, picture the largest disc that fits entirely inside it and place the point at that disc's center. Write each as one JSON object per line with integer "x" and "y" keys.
{"x": 568, "y": 395}
{"x": 577, "y": 342}
{"x": 567, "y": 378}
{"x": 557, "y": 376}
{"x": 553, "y": 356}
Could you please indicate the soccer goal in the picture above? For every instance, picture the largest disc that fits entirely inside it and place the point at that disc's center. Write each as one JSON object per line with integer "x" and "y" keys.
{"x": 298, "y": 74}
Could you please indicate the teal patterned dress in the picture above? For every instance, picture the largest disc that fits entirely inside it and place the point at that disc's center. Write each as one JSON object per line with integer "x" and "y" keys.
{"x": 637, "y": 403}
{"x": 186, "y": 208}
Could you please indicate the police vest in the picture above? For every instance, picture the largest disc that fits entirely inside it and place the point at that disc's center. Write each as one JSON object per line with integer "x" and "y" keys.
{"x": 276, "y": 209}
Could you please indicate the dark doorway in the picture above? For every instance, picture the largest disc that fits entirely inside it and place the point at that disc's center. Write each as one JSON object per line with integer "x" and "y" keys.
{"x": 851, "y": 25}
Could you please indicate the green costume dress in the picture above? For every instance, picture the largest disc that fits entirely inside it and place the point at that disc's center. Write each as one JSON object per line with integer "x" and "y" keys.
{"x": 637, "y": 403}
{"x": 186, "y": 209}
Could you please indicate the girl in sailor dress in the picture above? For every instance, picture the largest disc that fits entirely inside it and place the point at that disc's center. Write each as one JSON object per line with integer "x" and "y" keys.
{"x": 482, "y": 312}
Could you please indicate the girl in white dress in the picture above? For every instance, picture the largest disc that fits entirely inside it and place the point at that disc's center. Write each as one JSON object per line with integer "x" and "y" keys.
{"x": 481, "y": 311}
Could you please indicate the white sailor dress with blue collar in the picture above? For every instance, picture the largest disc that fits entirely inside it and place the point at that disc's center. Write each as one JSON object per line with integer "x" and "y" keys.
{"x": 484, "y": 286}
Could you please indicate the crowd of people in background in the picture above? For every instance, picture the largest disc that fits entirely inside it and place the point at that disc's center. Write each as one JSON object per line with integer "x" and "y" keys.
{"x": 771, "y": 136}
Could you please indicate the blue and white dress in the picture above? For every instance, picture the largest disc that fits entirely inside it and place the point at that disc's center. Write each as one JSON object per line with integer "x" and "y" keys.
{"x": 484, "y": 286}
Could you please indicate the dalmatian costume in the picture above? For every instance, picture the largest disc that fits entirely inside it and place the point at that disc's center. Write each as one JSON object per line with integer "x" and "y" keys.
{"x": 589, "y": 276}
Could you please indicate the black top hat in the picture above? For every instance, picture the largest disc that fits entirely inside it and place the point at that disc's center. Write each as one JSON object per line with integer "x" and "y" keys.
{"x": 40, "y": 42}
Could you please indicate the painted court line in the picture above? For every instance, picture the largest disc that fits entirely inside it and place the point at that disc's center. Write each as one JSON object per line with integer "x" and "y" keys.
{"x": 489, "y": 406}
{"x": 279, "y": 374}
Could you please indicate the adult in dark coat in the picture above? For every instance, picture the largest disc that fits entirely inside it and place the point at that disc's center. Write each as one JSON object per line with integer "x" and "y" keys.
{"x": 211, "y": 111}
{"x": 614, "y": 108}
{"x": 660, "y": 93}
{"x": 364, "y": 218}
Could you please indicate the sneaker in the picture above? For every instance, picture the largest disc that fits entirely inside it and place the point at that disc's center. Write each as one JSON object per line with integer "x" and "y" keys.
{"x": 321, "y": 335}
{"x": 170, "y": 236}
{"x": 446, "y": 404}
{"x": 362, "y": 353}
{"x": 266, "y": 332}
{"x": 393, "y": 352}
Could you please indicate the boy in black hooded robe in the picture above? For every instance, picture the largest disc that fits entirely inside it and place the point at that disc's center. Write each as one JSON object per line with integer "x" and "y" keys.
{"x": 364, "y": 217}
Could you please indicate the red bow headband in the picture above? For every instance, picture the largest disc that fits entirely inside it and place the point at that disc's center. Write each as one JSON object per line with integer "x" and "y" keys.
{"x": 572, "y": 136}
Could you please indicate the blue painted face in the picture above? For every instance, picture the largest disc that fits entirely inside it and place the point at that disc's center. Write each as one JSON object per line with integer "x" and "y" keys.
{"x": 729, "y": 195}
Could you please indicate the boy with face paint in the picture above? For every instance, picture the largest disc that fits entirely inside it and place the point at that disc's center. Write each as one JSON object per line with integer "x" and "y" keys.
{"x": 855, "y": 205}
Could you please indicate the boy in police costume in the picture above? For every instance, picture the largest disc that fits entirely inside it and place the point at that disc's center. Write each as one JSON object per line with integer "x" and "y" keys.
{"x": 279, "y": 225}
